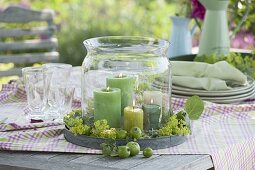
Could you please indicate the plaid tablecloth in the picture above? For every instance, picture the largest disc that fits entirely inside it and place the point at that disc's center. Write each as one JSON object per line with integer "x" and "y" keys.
{"x": 226, "y": 132}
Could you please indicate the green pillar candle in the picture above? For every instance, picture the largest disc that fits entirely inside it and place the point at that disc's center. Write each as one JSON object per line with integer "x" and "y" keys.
{"x": 107, "y": 105}
{"x": 133, "y": 117}
{"x": 151, "y": 116}
{"x": 126, "y": 85}
{"x": 152, "y": 97}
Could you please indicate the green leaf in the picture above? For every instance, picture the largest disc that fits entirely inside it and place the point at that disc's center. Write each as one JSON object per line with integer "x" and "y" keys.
{"x": 181, "y": 115}
{"x": 3, "y": 140}
{"x": 114, "y": 151}
{"x": 194, "y": 106}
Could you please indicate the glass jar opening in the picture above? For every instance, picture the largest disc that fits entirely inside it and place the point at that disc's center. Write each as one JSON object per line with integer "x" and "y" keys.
{"x": 124, "y": 44}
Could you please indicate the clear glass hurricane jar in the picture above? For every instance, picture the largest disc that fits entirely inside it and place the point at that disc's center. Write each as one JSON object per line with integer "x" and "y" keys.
{"x": 127, "y": 81}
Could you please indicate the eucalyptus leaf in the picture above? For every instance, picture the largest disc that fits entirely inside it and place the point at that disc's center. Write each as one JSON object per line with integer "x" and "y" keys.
{"x": 194, "y": 107}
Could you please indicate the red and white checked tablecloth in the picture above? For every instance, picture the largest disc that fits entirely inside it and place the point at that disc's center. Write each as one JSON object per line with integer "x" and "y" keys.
{"x": 226, "y": 132}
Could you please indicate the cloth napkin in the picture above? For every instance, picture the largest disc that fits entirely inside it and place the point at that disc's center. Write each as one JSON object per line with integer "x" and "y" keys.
{"x": 211, "y": 77}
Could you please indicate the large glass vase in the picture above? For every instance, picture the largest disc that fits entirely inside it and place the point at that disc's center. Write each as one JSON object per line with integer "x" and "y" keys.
{"x": 127, "y": 81}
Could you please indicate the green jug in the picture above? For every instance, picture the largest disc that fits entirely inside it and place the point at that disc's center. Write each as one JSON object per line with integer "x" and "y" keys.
{"x": 215, "y": 36}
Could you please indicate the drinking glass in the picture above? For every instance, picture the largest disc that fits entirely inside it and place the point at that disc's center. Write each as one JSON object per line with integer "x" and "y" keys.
{"x": 65, "y": 100}
{"x": 33, "y": 79}
{"x": 56, "y": 77}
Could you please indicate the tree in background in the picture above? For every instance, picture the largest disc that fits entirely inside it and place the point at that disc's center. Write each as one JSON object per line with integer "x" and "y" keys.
{"x": 244, "y": 37}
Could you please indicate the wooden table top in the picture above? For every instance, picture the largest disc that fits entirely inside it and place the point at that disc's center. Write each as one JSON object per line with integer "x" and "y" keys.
{"x": 41, "y": 160}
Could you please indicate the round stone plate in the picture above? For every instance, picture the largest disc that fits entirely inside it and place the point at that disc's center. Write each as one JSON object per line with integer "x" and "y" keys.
{"x": 154, "y": 143}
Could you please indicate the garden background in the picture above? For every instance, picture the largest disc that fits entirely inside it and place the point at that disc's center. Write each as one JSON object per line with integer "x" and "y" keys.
{"x": 78, "y": 20}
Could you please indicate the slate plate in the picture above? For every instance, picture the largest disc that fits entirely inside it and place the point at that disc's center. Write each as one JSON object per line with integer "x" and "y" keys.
{"x": 154, "y": 143}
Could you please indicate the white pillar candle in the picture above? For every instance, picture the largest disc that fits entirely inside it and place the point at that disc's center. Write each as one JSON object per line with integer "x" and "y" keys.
{"x": 156, "y": 96}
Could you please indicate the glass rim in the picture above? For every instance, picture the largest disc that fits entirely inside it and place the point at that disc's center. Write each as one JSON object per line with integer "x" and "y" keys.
{"x": 31, "y": 69}
{"x": 160, "y": 44}
{"x": 59, "y": 65}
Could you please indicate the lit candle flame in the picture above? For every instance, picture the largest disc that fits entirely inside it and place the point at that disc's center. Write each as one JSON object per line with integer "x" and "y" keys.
{"x": 108, "y": 89}
{"x": 134, "y": 103}
{"x": 137, "y": 83}
{"x": 151, "y": 101}
{"x": 120, "y": 75}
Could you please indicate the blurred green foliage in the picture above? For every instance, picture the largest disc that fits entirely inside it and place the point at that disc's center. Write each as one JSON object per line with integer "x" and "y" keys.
{"x": 82, "y": 19}
{"x": 78, "y": 20}
{"x": 237, "y": 9}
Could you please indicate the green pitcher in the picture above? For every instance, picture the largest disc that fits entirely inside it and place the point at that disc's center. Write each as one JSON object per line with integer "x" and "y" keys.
{"x": 215, "y": 36}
